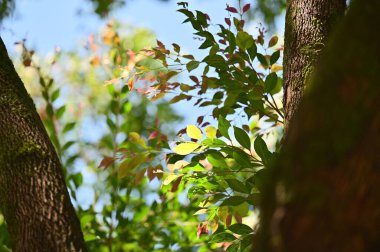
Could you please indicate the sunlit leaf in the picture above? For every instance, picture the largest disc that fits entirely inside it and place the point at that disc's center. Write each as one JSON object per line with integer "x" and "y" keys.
{"x": 135, "y": 137}
{"x": 170, "y": 178}
{"x": 194, "y": 132}
{"x": 210, "y": 132}
{"x": 201, "y": 211}
{"x": 186, "y": 148}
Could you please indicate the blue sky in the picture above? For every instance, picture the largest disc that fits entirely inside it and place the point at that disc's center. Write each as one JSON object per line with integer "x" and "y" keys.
{"x": 49, "y": 23}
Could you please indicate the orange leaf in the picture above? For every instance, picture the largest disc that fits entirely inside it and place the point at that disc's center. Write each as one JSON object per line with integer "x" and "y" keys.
{"x": 106, "y": 162}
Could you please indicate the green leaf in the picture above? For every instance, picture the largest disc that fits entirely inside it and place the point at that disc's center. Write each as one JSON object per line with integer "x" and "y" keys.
{"x": 186, "y": 148}
{"x": 216, "y": 61}
{"x": 278, "y": 86}
{"x": 240, "y": 229}
{"x": 242, "y": 138}
{"x": 55, "y": 95}
{"x": 194, "y": 132}
{"x": 262, "y": 150}
{"x": 90, "y": 237}
{"x": 262, "y": 59}
{"x": 222, "y": 237}
{"x": 217, "y": 160}
{"x": 270, "y": 82}
{"x": 178, "y": 98}
{"x": 233, "y": 201}
{"x": 244, "y": 40}
{"x": 68, "y": 127}
{"x": 233, "y": 248}
{"x": 60, "y": 111}
{"x": 252, "y": 51}
{"x": 130, "y": 164}
{"x": 242, "y": 159}
{"x": 191, "y": 65}
{"x": 206, "y": 44}
{"x": 274, "y": 57}
{"x": 223, "y": 126}
{"x": 237, "y": 185}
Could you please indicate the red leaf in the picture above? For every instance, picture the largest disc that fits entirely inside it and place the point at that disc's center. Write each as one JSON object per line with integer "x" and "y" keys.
{"x": 194, "y": 78}
{"x": 181, "y": 132}
{"x": 176, "y": 184}
{"x": 202, "y": 229}
{"x": 205, "y": 124}
{"x": 200, "y": 119}
{"x": 241, "y": 23}
{"x": 228, "y": 21}
{"x": 160, "y": 44}
{"x": 150, "y": 174}
{"x": 222, "y": 41}
{"x": 228, "y": 220}
{"x": 246, "y": 7}
{"x": 106, "y": 162}
{"x": 231, "y": 9}
{"x": 208, "y": 18}
{"x": 139, "y": 177}
{"x": 153, "y": 135}
{"x": 238, "y": 218}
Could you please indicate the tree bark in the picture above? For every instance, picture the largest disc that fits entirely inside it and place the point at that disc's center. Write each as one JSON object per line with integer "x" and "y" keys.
{"x": 307, "y": 26}
{"x": 323, "y": 193}
{"x": 33, "y": 196}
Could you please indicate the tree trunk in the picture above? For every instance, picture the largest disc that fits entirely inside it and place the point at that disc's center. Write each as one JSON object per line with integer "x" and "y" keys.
{"x": 33, "y": 196}
{"x": 307, "y": 26}
{"x": 323, "y": 193}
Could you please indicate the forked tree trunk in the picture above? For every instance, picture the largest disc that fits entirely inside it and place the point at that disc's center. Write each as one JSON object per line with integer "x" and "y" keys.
{"x": 307, "y": 26}
{"x": 323, "y": 194}
{"x": 33, "y": 196}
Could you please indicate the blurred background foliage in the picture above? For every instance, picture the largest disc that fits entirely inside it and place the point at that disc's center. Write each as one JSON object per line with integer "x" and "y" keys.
{"x": 112, "y": 132}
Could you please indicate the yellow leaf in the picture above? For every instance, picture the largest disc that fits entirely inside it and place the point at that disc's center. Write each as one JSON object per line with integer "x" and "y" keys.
{"x": 210, "y": 132}
{"x": 205, "y": 203}
{"x": 170, "y": 178}
{"x": 201, "y": 211}
{"x": 223, "y": 213}
{"x": 214, "y": 225}
{"x": 194, "y": 132}
{"x": 134, "y": 137}
{"x": 186, "y": 148}
{"x": 180, "y": 164}
{"x": 276, "y": 68}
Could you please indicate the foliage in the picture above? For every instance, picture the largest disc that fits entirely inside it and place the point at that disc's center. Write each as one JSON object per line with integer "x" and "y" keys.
{"x": 6, "y": 8}
{"x": 128, "y": 181}
{"x": 221, "y": 172}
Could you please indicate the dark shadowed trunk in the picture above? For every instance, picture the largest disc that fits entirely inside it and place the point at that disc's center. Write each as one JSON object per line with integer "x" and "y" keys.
{"x": 33, "y": 196}
{"x": 324, "y": 192}
{"x": 308, "y": 24}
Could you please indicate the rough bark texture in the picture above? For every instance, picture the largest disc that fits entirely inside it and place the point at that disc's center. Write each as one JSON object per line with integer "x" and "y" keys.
{"x": 324, "y": 192}
{"x": 33, "y": 196}
{"x": 308, "y": 24}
